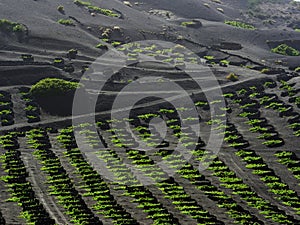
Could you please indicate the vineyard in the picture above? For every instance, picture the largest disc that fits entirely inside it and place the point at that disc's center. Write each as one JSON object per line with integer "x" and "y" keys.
{"x": 149, "y": 112}
{"x": 47, "y": 179}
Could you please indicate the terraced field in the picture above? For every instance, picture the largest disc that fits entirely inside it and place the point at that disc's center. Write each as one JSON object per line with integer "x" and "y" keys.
{"x": 46, "y": 178}
{"x": 187, "y": 112}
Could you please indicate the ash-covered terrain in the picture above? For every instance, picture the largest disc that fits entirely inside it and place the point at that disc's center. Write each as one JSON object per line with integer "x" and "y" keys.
{"x": 187, "y": 112}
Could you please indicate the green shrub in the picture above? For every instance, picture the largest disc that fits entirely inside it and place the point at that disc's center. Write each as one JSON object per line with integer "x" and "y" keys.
{"x": 232, "y": 77}
{"x": 72, "y": 53}
{"x": 217, "y": 1}
{"x": 106, "y": 12}
{"x": 58, "y": 60}
{"x": 66, "y": 22}
{"x": 225, "y": 62}
{"x": 9, "y": 26}
{"x": 284, "y": 49}
{"x": 18, "y": 28}
{"x": 265, "y": 70}
{"x": 239, "y": 24}
{"x": 61, "y": 9}
{"x": 101, "y": 46}
{"x": 220, "y": 10}
{"x": 187, "y": 23}
{"x": 82, "y": 3}
{"x": 209, "y": 57}
{"x": 297, "y": 69}
{"x": 116, "y": 43}
{"x": 53, "y": 86}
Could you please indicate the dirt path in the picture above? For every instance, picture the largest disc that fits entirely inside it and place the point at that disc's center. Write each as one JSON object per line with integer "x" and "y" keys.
{"x": 18, "y": 107}
{"x": 68, "y": 119}
{"x": 38, "y": 184}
